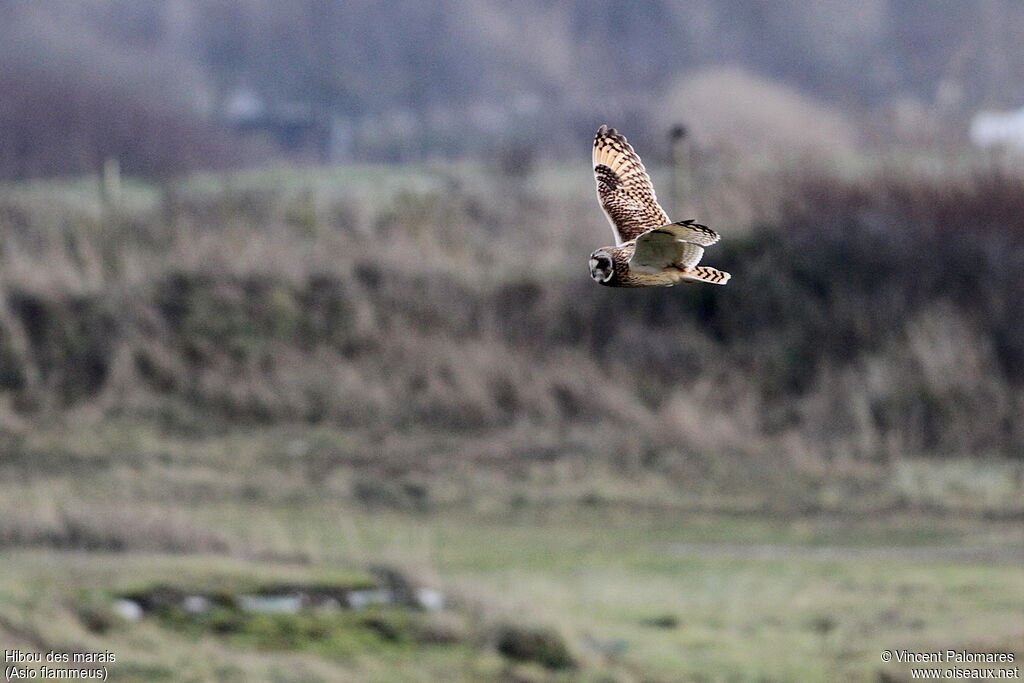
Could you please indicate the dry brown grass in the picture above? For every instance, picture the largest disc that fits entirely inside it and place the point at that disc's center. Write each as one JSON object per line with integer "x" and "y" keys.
{"x": 869, "y": 319}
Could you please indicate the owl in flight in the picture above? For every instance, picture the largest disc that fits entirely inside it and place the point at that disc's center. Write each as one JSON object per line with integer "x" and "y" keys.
{"x": 650, "y": 251}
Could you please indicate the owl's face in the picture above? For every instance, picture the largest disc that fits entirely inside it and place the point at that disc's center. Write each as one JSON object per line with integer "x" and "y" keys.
{"x": 602, "y": 268}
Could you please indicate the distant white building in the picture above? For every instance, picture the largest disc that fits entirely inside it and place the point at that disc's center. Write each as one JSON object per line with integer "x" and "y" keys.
{"x": 998, "y": 129}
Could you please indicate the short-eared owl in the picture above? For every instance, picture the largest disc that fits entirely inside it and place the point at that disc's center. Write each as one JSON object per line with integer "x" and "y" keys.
{"x": 650, "y": 251}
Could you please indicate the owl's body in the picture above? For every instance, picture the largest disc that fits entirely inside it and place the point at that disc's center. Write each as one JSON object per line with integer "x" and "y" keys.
{"x": 650, "y": 251}
{"x": 620, "y": 266}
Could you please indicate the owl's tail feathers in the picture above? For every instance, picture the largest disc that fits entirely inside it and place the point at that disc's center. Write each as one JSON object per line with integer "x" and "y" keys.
{"x": 706, "y": 274}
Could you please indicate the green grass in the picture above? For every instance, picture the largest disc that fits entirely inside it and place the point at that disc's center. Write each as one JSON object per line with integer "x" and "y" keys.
{"x": 741, "y": 619}
{"x": 755, "y": 597}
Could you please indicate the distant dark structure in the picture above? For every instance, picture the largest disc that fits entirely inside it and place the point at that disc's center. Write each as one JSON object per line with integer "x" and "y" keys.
{"x": 682, "y": 182}
{"x": 293, "y": 127}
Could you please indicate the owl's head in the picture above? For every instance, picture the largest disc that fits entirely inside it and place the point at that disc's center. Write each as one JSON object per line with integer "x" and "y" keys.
{"x": 602, "y": 267}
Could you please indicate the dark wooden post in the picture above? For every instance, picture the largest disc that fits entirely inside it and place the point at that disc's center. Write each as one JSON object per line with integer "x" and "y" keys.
{"x": 681, "y": 172}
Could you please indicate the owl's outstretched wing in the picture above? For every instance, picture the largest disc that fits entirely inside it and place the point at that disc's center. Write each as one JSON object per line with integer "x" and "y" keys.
{"x": 624, "y": 187}
{"x": 676, "y": 244}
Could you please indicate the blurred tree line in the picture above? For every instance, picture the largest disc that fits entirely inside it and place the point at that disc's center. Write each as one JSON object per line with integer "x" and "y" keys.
{"x": 150, "y": 81}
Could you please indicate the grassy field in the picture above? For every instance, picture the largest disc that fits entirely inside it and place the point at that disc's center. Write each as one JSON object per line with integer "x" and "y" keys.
{"x": 639, "y": 586}
{"x": 638, "y": 597}
{"x": 393, "y": 379}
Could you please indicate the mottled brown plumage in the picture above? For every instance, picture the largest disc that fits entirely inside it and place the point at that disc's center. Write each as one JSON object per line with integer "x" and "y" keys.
{"x": 650, "y": 251}
{"x": 624, "y": 188}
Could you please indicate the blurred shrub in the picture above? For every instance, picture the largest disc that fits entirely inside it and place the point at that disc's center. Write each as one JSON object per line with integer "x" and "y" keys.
{"x": 543, "y": 646}
{"x": 875, "y": 317}
{"x": 72, "y": 340}
{"x": 379, "y": 493}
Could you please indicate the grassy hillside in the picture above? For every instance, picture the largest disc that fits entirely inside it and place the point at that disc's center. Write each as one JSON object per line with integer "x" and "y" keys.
{"x": 870, "y": 319}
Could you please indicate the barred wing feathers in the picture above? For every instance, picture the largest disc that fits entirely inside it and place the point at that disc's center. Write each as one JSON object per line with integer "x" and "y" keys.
{"x": 624, "y": 187}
